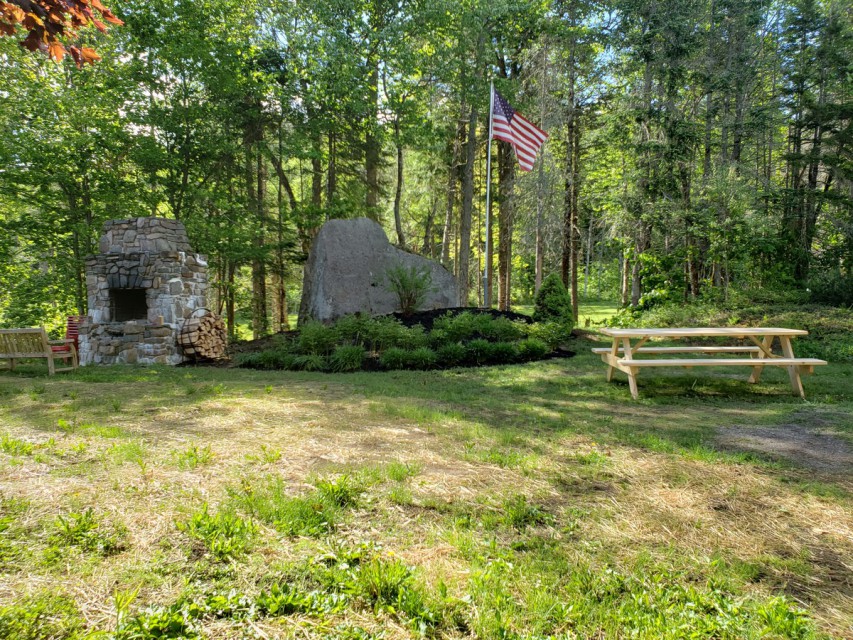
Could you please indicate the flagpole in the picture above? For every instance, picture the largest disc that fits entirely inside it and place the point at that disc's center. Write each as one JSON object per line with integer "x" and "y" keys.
{"x": 487, "y": 271}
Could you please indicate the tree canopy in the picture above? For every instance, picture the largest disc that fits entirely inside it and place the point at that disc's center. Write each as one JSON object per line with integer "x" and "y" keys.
{"x": 695, "y": 147}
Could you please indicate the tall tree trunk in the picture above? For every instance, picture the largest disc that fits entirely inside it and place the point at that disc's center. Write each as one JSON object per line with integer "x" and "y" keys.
{"x": 372, "y": 149}
{"x": 398, "y": 191}
{"x": 260, "y": 323}
{"x": 427, "y": 247}
{"x": 467, "y": 209}
{"x": 575, "y": 238}
{"x": 331, "y": 174}
{"x": 452, "y": 177}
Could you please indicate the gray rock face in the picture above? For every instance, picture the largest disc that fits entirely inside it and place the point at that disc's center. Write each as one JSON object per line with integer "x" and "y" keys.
{"x": 347, "y": 273}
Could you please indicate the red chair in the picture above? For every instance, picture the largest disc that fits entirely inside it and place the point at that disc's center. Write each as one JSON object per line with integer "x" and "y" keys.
{"x": 72, "y": 333}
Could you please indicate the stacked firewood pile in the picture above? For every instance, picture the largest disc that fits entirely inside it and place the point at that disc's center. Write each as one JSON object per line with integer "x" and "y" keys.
{"x": 204, "y": 337}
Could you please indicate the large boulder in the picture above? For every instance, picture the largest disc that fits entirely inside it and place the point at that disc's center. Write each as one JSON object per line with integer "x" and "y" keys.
{"x": 347, "y": 272}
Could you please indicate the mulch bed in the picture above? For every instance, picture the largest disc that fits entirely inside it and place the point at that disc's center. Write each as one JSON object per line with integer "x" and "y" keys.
{"x": 424, "y": 318}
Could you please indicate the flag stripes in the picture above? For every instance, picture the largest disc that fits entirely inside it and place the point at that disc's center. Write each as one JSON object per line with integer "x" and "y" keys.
{"x": 510, "y": 126}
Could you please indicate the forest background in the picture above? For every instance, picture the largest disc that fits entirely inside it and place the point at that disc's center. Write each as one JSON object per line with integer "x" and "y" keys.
{"x": 697, "y": 148}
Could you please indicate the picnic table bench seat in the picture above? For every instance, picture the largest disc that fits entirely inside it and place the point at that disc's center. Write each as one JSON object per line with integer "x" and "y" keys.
{"x": 17, "y": 344}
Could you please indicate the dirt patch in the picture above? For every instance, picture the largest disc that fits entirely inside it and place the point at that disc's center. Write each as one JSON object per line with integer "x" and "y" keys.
{"x": 807, "y": 440}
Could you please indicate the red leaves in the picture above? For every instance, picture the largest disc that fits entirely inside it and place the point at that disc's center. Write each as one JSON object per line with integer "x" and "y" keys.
{"x": 48, "y": 21}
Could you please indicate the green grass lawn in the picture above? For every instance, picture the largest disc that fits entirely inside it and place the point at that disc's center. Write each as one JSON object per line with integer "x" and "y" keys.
{"x": 528, "y": 501}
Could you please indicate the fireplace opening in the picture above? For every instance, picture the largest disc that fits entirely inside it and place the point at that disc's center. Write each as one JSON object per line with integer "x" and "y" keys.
{"x": 128, "y": 304}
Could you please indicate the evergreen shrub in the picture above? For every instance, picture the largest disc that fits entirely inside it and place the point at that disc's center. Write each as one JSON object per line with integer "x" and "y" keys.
{"x": 421, "y": 358}
{"x": 552, "y": 303}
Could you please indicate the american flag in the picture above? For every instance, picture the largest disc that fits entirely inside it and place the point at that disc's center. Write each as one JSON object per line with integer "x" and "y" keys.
{"x": 524, "y": 136}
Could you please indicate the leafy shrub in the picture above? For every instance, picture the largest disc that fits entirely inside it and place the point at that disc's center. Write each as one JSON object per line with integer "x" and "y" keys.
{"x": 352, "y": 329}
{"x": 309, "y": 363}
{"x": 503, "y": 353}
{"x": 394, "y": 358}
{"x": 552, "y": 334}
{"x": 478, "y": 351}
{"x": 831, "y": 287}
{"x": 411, "y": 286}
{"x": 316, "y": 339}
{"x": 500, "y": 329}
{"x": 532, "y": 349}
{"x": 347, "y": 358}
{"x": 552, "y": 302}
{"x": 267, "y": 359}
{"x": 457, "y": 328}
{"x": 421, "y": 358}
{"x": 223, "y": 534}
{"x": 387, "y": 333}
{"x": 451, "y": 354}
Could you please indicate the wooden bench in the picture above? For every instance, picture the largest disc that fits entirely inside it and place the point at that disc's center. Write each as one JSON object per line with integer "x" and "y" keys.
{"x": 16, "y": 344}
{"x": 621, "y": 356}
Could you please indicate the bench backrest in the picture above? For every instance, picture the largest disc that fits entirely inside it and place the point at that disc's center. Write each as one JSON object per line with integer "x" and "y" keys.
{"x": 23, "y": 343}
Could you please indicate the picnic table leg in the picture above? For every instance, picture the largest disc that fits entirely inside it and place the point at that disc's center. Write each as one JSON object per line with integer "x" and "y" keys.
{"x": 614, "y": 351}
{"x": 632, "y": 377}
{"x": 793, "y": 372}
{"x": 767, "y": 343}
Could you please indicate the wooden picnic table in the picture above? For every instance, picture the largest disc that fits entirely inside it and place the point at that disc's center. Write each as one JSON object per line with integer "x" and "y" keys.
{"x": 621, "y": 354}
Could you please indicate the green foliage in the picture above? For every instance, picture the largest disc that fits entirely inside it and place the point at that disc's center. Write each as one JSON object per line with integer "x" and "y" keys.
{"x": 831, "y": 287}
{"x": 223, "y": 534}
{"x": 312, "y": 514}
{"x": 451, "y": 354}
{"x": 15, "y": 447}
{"x": 421, "y": 358}
{"x": 83, "y": 530}
{"x": 41, "y": 617}
{"x": 553, "y": 334}
{"x": 342, "y": 491}
{"x": 478, "y": 352}
{"x": 316, "y": 339}
{"x": 267, "y": 359}
{"x": 519, "y": 513}
{"x": 532, "y": 349}
{"x": 347, "y": 358}
{"x": 310, "y": 363}
{"x": 394, "y": 358}
{"x": 193, "y": 457}
{"x": 552, "y": 302}
{"x": 411, "y": 285}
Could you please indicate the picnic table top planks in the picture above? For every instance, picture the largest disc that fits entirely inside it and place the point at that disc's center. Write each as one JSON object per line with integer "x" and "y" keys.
{"x": 702, "y": 332}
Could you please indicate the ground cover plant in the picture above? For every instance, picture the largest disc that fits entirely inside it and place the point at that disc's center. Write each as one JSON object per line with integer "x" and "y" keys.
{"x": 453, "y": 338}
{"x": 531, "y": 501}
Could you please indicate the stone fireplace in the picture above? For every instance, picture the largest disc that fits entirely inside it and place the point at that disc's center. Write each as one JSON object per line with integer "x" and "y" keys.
{"x": 141, "y": 288}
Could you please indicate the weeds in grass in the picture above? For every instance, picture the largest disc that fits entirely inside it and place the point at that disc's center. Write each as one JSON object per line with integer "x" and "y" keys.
{"x": 517, "y": 512}
{"x": 84, "y": 531}
{"x": 342, "y": 491}
{"x": 193, "y": 457}
{"x": 223, "y": 534}
{"x": 267, "y": 455}
{"x": 268, "y": 501}
{"x": 15, "y": 447}
{"x": 41, "y": 617}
